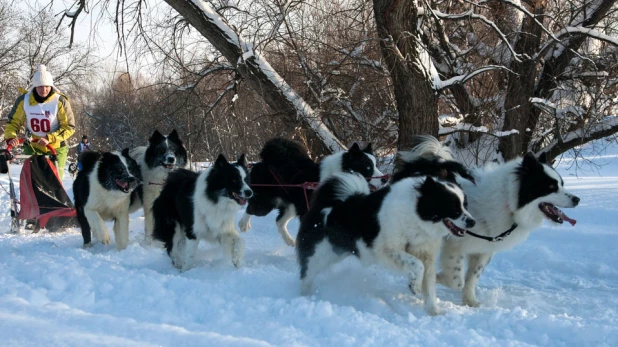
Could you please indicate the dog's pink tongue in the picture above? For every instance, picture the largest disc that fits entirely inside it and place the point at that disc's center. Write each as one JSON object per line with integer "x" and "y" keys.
{"x": 121, "y": 184}
{"x": 565, "y": 217}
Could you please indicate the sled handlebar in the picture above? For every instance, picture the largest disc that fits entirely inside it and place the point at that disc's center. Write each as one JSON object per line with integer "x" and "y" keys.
{"x": 49, "y": 147}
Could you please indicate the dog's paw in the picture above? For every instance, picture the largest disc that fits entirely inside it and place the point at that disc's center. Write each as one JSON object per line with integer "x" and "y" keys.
{"x": 244, "y": 224}
{"x": 105, "y": 239}
{"x": 471, "y": 302}
{"x": 289, "y": 241}
{"x": 237, "y": 261}
{"x": 415, "y": 286}
{"x": 87, "y": 245}
{"x": 450, "y": 281}
{"x": 432, "y": 310}
{"x": 244, "y": 227}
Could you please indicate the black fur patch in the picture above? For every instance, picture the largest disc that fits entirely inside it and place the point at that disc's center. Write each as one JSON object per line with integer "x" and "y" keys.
{"x": 355, "y": 160}
{"x": 533, "y": 181}
{"x": 436, "y": 202}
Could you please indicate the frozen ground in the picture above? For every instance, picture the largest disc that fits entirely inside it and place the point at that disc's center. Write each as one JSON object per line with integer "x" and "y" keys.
{"x": 560, "y": 288}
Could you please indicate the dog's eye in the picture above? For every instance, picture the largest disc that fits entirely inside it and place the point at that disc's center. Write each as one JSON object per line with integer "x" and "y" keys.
{"x": 553, "y": 187}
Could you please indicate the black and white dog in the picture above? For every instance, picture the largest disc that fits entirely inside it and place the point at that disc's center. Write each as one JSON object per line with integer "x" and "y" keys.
{"x": 285, "y": 162}
{"x": 512, "y": 198}
{"x": 202, "y": 206}
{"x": 102, "y": 192}
{"x": 163, "y": 155}
{"x": 400, "y": 226}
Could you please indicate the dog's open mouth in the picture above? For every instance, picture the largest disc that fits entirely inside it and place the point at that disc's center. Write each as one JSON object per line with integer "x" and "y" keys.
{"x": 454, "y": 229}
{"x": 124, "y": 186}
{"x": 555, "y": 214}
{"x": 169, "y": 166}
{"x": 240, "y": 200}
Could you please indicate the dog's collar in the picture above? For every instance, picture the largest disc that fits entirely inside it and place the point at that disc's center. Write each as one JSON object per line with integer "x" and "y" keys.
{"x": 495, "y": 238}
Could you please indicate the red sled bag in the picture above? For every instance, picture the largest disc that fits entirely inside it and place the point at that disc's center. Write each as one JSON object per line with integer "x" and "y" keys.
{"x": 42, "y": 196}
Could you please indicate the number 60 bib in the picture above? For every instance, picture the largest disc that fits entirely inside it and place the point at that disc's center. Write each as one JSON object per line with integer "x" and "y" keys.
{"x": 42, "y": 119}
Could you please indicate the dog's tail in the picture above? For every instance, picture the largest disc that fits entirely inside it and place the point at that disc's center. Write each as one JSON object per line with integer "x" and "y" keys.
{"x": 425, "y": 146}
{"x": 280, "y": 151}
{"x": 338, "y": 188}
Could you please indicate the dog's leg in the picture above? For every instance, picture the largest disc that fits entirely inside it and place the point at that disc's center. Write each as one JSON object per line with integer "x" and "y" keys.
{"x": 148, "y": 221}
{"x": 452, "y": 263}
{"x": 312, "y": 265}
{"x": 183, "y": 249}
{"x": 245, "y": 222}
{"x": 98, "y": 226}
{"x": 234, "y": 246}
{"x": 427, "y": 254}
{"x": 85, "y": 226}
{"x": 286, "y": 213}
{"x": 409, "y": 265}
{"x": 476, "y": 264}
{"x": 121, "y": 230}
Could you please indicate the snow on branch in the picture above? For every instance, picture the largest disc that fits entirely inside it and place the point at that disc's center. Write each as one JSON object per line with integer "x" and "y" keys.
{"x": 470, "y": 14}
{"x": 605, "y": 127}
{"x": 589, "y": 32}
{"x": 464, "y": 78}
{"x": 469, "y": 128}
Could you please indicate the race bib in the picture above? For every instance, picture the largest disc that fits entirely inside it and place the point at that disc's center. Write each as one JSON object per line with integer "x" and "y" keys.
{"x": 42, "y": 119}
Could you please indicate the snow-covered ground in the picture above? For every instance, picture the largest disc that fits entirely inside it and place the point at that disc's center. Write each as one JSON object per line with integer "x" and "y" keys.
{"x": 560, "y": 288}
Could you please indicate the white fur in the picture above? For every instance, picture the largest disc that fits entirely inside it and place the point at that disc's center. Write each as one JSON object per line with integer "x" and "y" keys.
{"x": 213, "y": 222}
{"x": 429, "y": 147}
{"x": 493, "y": 202}
{"x": 105, "y": 205}
{"x": 153, "y": 180}
{"x": 405, "y": 242}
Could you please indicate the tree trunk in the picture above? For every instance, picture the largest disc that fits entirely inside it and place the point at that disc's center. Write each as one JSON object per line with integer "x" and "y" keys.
{"x": 520, "y": 114}
{"x": 410, "y": 68}
{"x": 255, "y": 70}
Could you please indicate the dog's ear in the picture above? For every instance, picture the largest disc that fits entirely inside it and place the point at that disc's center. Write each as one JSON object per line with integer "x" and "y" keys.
{"x": 221, "y": 161}
{"x": 368, "y": 149}
{"x": 355, "y": 148}
{"x": 428, "y": 184}
{"x": 156, "y": 137}
{"x": 529, "y": 160}
{"x": 125, "y": 153}
{"x": 543, "y": 158}
{"x": 242, "y": 160}
{"x": 174, "y": 136}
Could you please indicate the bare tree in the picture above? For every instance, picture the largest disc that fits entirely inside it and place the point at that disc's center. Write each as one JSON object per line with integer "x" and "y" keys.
{"x": 484, "y": 74}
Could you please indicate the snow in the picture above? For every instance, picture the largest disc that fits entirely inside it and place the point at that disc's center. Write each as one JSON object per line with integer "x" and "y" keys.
{"x": 560, "y": 288}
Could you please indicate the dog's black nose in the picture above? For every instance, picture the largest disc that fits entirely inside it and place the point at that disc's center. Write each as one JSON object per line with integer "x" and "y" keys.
{"x": 470, "y": 223}
{"x": 575, "y": 200}
{"x": 170, "y": 160}
{"x": 248, "y": 193}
